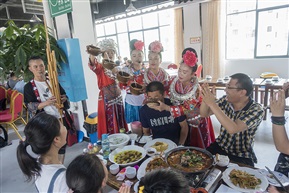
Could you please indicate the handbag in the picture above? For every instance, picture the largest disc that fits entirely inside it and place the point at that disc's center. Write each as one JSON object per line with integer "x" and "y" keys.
{"x": 71, "y": 130}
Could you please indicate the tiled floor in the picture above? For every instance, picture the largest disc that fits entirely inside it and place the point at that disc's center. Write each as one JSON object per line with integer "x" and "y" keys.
{"x": 12, "y": 180}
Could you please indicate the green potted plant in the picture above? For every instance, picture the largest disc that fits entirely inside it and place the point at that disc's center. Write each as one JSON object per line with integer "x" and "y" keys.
{"x": 18, "y": 44}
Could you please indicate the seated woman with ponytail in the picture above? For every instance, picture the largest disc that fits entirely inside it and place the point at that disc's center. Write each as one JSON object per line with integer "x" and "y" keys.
{"x": 87, "y": 174}
{"x": 45, "y": 135}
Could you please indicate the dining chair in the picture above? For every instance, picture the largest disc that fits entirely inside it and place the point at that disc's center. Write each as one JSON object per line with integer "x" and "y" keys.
{"x": 14, "y": 114}
{"x": 2, "y": 92}
{"x": 8, "y": 94}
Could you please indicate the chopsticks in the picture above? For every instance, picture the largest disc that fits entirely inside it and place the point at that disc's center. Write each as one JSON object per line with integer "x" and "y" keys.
{"x": 275, "y": 177}
{"x": 140, "y": 137}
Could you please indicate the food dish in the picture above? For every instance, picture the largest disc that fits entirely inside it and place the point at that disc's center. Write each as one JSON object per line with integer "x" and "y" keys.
{"x": 284, "y": 179}
{"x": 142, "y": 168}
{"x": 118, "y": 140}
{"x": 222, "y": 160}
{"x": 156, "y": 163}
{"x": 145, "y": 139}
{"x": 189, "y": 159}
{"x": 135, "y": 187}
{"x": 125, "y": 149}
{"x": 262, "y": 187}
{"x": 171, "y": 144}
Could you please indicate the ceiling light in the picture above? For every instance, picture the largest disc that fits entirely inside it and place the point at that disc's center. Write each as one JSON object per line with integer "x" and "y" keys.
{"x": 130, "y": 8}
{"x": 35, "y": 19}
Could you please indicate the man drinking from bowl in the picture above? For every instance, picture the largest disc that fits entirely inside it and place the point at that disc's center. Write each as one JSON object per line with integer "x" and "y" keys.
{"x": 160, "y": 123}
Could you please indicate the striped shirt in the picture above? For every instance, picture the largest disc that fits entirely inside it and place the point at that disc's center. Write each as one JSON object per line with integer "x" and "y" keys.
{"x": 240, "y": 144}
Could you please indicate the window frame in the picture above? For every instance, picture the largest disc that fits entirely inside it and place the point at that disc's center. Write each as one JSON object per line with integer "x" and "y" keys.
{"x": 257, "y": 12}
{"x": 139, "y": 30}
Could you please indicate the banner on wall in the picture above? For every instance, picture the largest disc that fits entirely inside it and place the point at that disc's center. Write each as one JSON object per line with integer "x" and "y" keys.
{"x": 59, "y": 7}
{"x": 71, "y": 75}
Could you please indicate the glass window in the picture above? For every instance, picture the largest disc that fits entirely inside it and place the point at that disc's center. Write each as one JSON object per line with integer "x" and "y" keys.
{"x": 150, "y": 20}
{"x": 257, "y": 31}
{"x": 149, "y": 37}
{"x": 100, "y": 39}
{"x": 147, "y": 28}
{"x": 270, "y": 3}
{"x": 272, "y": 33}
{"x": 134, "y": 23}
{"x": 235, "y": 6}
{"x": 238, "y": 33}
{"x": 121, "y": 26}
{"x": 99, "y": 30}
{"x": 165, "y": 34}
{"x": 136, "y": 35}
{"x": 165, "y": 17}
{"x": 123, "y": 45}
{"x": 110, "y": 28}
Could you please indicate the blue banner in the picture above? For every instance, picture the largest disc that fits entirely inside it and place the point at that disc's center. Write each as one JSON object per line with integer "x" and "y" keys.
{"x": 71, "y": 76}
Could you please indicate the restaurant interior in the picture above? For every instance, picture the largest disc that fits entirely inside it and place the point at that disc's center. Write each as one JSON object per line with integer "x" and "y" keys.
{"x": 216, "y": 29}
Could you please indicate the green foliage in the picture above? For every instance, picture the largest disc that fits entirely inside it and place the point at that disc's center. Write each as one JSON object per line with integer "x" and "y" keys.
{"x": 17, "y": 45}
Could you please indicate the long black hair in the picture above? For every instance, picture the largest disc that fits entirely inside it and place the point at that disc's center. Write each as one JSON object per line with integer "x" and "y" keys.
{"x": 85, "y": 174}
{"x": 40, "y": 132}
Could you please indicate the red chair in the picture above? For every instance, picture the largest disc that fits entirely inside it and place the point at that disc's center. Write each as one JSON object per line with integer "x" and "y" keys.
{"x": 9, "y": 94}
{"x": 12, "y": 94}
{"x": 199, "y": 70}
{"x": 2, "y": 92}
{"x": 14, "y": 114}
{"x": 172, "y": 66}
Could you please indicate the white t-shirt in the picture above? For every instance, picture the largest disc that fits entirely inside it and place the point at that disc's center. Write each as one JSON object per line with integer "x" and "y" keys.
{"x": 45, "y": 94}
{"x": 43, "y": 181}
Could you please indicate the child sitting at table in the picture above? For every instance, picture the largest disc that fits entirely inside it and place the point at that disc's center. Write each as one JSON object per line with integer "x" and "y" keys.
{"x": 86, "y": 173}
{"x": 163, "y": 181}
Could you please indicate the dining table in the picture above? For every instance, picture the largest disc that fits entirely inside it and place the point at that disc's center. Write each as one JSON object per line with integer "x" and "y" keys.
{"x": 263, "y": 88}
{"x": 218, "y": 184}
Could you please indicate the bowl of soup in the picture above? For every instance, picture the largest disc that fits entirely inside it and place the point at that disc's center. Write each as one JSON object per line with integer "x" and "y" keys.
{"x": 189, "y": 160}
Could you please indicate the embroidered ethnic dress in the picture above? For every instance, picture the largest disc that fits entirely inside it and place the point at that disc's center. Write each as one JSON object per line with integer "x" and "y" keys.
{"x": 110, "y": 105}
{"x": 162, "y": 76}
{"x": 187, "y": 101}
{"x": 133, "y": 102}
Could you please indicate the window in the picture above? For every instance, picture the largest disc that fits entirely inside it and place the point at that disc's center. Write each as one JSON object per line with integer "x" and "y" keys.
{"x": 147, "y": 27}
{"x": 257, "y": 29}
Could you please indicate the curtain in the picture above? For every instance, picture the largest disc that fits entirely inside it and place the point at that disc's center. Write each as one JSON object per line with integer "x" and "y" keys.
{"x": 179, "y": 35}
{"x": 211, "y": 13}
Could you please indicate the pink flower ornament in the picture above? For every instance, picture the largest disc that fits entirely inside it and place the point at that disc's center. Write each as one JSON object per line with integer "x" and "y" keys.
{"x": 190, "y": 58}
{"x": 156, "y": 47}
{"x": 138, "y": 45}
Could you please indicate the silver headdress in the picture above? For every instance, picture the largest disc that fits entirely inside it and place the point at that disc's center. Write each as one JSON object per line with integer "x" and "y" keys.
{"x": 107, "y": 44}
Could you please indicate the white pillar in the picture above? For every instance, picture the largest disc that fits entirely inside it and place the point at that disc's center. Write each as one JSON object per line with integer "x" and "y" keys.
{"x": 84, "y": 31}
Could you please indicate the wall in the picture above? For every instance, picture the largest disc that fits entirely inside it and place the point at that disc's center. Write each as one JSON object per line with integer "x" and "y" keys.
{"x": 252, "y": 67}
{"x": 192, "y": 27}
{"x": 255, "y": 67}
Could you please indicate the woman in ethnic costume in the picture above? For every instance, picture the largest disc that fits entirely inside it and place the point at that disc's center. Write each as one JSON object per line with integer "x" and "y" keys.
{"x": 155, "y": 72}
{"x": 110, "y": 105}
{"x": 134, "y": 102}
{"x": 185, "y": 96}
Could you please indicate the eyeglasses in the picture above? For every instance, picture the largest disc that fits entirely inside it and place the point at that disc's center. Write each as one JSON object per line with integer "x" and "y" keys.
{"x": 229, "y": 87}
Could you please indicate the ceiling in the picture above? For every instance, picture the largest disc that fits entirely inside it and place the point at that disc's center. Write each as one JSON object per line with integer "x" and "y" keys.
{"x": 112, "y": 7}
{"x": 21, "y": 11}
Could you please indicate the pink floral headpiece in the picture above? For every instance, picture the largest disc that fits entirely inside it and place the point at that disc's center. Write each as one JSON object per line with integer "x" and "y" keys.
{"x": 138, "y": 45}
{"x": 156, "y": 47}
{"x": 190, "y": 58}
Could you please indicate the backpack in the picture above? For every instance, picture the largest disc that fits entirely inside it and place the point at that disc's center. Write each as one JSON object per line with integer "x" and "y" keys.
{"x": 3, "y": 141}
